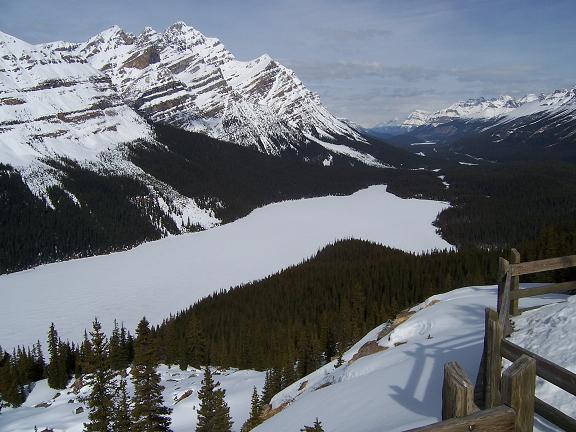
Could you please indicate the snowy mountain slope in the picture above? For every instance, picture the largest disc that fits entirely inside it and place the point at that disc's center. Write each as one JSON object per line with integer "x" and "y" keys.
{"x": 54, "y": 106}
{"x": 504, "y": 108}
{"x": 400, "y": 386}
{"x": 163, "y": 277}
{"x": 532, "y": 127}
{"x": 188, "y": 80}
{"x": 60, "y": 414}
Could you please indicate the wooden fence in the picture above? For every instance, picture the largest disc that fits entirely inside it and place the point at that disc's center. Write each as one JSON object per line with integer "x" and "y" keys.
{"x": 507, "y": 398}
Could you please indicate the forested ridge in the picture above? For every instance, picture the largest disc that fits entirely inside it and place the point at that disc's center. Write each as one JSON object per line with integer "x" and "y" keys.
{"x": 506, "y": 205}
{"x": 492, "y": 205}
{"x": 327, "y": 302}
{"x": 92, "y": 213}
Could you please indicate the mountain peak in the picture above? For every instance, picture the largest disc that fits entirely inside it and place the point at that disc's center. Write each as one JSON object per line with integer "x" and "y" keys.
{"x": 179, "y": 26}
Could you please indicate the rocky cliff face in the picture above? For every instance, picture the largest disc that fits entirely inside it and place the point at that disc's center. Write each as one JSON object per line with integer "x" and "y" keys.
{"x": 183, "y": 78}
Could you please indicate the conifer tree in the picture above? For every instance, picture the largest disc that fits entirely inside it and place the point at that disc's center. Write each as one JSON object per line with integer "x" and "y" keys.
{"x": 121, "y": 421}
{"x": 100, "y": 402}
{"x": 255, "y": 413}
{"x": 214, "y": 413}
{"x": 114, "y": 347}
{"x": 85, "y": 355}
{"x": 56, "y": 370}
{"x": 316, "y": 427}
{"x": 149, "y": 413}
{"x": 10, "y": 390}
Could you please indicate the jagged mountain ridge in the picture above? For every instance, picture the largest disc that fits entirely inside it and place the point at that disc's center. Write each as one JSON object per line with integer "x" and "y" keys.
{"x": 58, "y": 113}
{"x": 185, "y": 79}
{"x": 532, "y": 127}
{"x": 502, "y": 107}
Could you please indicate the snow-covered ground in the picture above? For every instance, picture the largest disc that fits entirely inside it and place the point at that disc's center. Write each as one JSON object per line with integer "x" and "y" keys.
{"x": 400, "y": 387}
{"x": 395, "y": 389}
{"x": 163, "y": 277}
{"x": 61, "y": 416}
{"x": 550, "y": 332}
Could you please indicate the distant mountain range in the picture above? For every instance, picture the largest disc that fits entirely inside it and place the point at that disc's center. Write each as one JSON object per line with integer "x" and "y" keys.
{"x": 503, "y": 128}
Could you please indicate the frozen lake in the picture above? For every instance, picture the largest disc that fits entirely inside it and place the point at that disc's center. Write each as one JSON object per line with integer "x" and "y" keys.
{"x": 165, "y": 276}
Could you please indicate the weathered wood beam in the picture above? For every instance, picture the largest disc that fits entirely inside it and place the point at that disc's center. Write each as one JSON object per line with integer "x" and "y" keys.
{"x": 546, "y": 289}
{"x": 457, "y": 393}
{"x": 545, "y": 369}
{"x": 543, "y": 265}
{"x": 554, "y": 416}
{"x": 518, "y": 388}
{"x": 500, "y": 419}
{"x": 515, "y": 285}
{"x": 493, "y": 338}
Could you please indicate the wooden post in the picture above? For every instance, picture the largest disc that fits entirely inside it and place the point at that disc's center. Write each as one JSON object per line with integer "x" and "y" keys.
{"x": 503, "y": 266}
{"x": 501, "y": 419}
{"x": 457, "y": 393}
{"x": 518, "y": 387}
{"x": 514, "y": 259}
{"x": 492, "y": 339}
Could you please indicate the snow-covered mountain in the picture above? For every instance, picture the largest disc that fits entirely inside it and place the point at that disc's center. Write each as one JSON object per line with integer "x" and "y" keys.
{"x": 503, "y": 107}
{"x": 532, "y": 127}
{"x": 186, "y": 79}
{"x": 55, "y": 107}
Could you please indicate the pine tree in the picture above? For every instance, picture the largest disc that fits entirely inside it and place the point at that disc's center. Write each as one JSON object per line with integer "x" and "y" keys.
{"x": 56, "y": 370}
{"x": 115, "y": 349}
{"x": 255, "y": 413}
{"x": 149, "y": 413}
{"x": 214, "y": 413}
{"x": 340, "y": 350}
{"x": 85, "y": 355}
{"x": 316, "y": 427}
{"x": 121, "y": 421}
{"x": 100, "y": 402}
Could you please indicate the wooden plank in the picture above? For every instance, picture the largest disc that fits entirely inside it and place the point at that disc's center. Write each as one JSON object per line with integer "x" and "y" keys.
{"x": 545, "y": 369}
{"x": 503, "y": 266}
{"x": 500, "y": 419}
{"x": 543, "y": 265}
{"x": 546, "y": 289}
{"x": 554, "y": 416}
{"x": 457, "y": 393}
{"x": 515, "y": 285}
{"x": 518, "y": 388}
{"x": 503, "y": 314}
{"x": 492, "y": 342}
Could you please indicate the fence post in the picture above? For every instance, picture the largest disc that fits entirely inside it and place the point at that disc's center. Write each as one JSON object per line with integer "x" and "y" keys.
{"x": 503, "y": 266}
{"x": 492, "y": 340}
{"x": 457, "y": 393}
{"x": 518, "y": 387}
{"x": 514, "y": 259}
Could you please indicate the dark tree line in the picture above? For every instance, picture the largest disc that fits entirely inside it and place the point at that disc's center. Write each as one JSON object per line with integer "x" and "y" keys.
{"x": 502, "y": 206}
{"x": 112, "y": 212}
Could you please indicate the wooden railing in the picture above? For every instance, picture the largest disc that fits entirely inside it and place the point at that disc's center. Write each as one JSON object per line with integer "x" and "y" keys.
{"x": 460, "y": 413}
{"x": 507, "y": 398}
{"x": 498, "y": 326}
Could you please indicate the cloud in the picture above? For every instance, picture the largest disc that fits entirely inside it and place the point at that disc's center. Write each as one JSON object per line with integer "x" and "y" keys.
{"x": 352, "y": 70}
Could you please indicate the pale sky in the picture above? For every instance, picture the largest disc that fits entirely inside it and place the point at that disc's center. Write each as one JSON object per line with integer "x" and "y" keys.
{"x": 370, "y": 60}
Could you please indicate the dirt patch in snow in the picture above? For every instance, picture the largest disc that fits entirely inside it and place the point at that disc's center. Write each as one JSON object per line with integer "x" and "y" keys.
{"x": 367, "y": 349}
